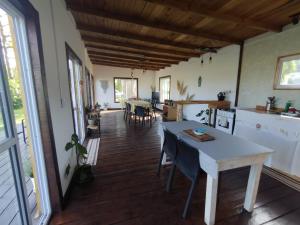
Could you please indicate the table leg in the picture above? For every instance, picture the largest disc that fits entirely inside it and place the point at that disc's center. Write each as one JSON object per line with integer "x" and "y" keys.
{"x": 211, "y": 200}
{"x": 252, "y": 187}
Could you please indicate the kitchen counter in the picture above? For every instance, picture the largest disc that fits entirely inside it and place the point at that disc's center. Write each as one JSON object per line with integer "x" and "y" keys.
{"x": 278, "y": 132}
{"x": 273, "y": 113}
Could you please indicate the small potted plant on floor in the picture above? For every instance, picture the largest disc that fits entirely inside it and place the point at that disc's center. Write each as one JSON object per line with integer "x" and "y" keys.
{"x": 83, "y": 171}
{"x": 91, "y": 119}
{"x": 105, "y": 105}
{"x": 29, "y": 173}
{"x": 97, "y": 106}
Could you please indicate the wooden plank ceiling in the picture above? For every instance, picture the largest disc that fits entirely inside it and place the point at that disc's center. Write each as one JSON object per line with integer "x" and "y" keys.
{"x": 154, "y": 34}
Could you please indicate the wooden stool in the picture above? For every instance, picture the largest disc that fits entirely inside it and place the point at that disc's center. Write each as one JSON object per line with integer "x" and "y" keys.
{"x": 93, "y": 129}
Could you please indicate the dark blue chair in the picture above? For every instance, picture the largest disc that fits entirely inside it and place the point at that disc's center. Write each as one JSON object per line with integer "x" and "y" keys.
{"x": 142, "y": 112}
{"x": 153, "y": 105}
{"x": 187, "y": 161}
{"x": 169, "y": 147}
{"x": 128, "y": 114}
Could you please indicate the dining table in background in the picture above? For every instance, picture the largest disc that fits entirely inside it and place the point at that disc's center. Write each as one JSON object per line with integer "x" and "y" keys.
{"x": 141, "y": 103}
{"x": 224, "y": 153}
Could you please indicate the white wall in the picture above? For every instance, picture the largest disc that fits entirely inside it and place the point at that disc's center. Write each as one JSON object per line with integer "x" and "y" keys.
{"x": 54, "y": 36}
{"x": 219, "y": 75}
{"x": 258, "y": 68}
{"x": 145, "y": 80}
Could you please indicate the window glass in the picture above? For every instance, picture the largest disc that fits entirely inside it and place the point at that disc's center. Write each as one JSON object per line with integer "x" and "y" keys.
{"x": 125, "y": 88}
{"x": 288, "y": 72}
{"x": 164, "y": 88}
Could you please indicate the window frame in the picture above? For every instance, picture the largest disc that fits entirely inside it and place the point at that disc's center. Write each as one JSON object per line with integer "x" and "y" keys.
{"x": 278, "y": 70}
{"x": 126, "y": 78}
{"x": 164, "y": 77}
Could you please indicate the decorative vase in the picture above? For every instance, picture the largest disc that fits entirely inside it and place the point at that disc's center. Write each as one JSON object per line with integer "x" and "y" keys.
{"x": 221, "y": 96}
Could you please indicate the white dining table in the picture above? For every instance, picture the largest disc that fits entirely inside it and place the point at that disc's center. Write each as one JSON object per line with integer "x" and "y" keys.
{"x": 135, "y": 103}
{"x": 224, "y": 153}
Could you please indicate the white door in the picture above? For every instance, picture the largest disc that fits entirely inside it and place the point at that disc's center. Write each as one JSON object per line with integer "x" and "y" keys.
{"x": 24, "y": 198}
{"x": 75, "y": 73}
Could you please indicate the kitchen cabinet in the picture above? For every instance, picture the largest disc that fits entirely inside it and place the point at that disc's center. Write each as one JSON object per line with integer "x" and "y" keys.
{"x": 282, "y": 134}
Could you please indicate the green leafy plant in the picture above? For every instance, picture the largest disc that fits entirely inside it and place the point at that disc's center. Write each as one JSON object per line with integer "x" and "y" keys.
{"x": 28, "y": 168}
{"x": 83, "y": 172}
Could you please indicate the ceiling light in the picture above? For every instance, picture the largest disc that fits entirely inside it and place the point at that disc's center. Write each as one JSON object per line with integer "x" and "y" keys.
{"x": 295, "y": 18}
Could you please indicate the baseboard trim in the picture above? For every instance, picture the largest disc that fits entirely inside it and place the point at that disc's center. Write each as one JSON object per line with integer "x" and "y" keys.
{"x": 282, "y": 177}
{"x": 67, "y": 195}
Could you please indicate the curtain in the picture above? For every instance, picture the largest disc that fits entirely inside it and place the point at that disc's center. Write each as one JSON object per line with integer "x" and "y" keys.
{"x": 164, "y": 88}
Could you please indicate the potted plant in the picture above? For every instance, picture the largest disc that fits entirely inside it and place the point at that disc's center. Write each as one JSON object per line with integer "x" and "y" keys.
{"x": 97, "y": 106}
{"x": 29, "y": 173}
{"x": 91, "y": 119}
{"x": 105, "y": 105}
{"x": 83, "y": 171}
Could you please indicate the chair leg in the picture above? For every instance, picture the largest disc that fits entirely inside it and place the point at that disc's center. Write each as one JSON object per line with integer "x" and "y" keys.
{"x": 160, "y": 161}
{"x": 189, "y": 199}
{"x": 171, "y": 177}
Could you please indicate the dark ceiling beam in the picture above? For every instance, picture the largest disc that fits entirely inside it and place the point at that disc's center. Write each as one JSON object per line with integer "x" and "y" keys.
{"x": 95, "y": 53}
{"x": 97, "y": 62}
{"x": 201, "y": 10}
{"x": 174, "y": 53}
{"x": 128, "y": 63}
{"x": 154, "y": 25}
{"x": 128, "y": 60}
{"x": 131, "y": 36}
{"x": 133, "y": 53}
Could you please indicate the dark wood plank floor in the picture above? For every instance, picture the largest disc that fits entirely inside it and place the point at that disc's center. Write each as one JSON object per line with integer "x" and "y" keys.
{"x": 127, "y": 191}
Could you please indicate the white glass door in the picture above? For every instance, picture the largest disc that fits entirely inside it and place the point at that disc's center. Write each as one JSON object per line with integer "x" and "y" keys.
{"x": 76, "y": 88}
{"x": 24, "y": 196}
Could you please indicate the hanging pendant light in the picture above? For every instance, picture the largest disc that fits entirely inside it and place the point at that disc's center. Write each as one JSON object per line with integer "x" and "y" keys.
{"x": 202, "y": 61}
{"x": 131, "y": 74}
{"x": 210, "y": 59}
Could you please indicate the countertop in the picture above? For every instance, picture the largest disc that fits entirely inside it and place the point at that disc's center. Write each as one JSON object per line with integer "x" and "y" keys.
{"x": 273, "y": 113}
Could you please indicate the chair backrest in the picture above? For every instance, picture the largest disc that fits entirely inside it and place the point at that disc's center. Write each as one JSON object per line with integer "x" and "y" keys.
{"x": 187, "y": 160}
{"x": 128, "y": 107}
{"x": 140, "y": 111}
{"x": 170, "y": 144}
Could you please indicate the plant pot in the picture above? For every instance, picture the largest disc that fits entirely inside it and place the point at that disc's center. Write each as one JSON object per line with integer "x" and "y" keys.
{"x": 33, "y": 184}
{"x": 221, "y": 98}
{"x": 84, "y": 174}
{"x": 91, "y": 121}
{"x": 105, "y": 108}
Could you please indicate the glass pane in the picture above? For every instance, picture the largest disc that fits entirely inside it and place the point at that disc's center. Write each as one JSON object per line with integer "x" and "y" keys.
{"x": 3, "y": 132}
{"x": 290, "y": 72}
{"x": 125, "y": 89}
{"x": 9, "y": 209}
{"x": 10, "y": 52}
{"x": 164, "y": 88}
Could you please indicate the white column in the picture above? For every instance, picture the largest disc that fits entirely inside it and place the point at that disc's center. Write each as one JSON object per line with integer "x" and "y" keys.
{"x": 211, "y": 199}
{"x": 252, "y": 187}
